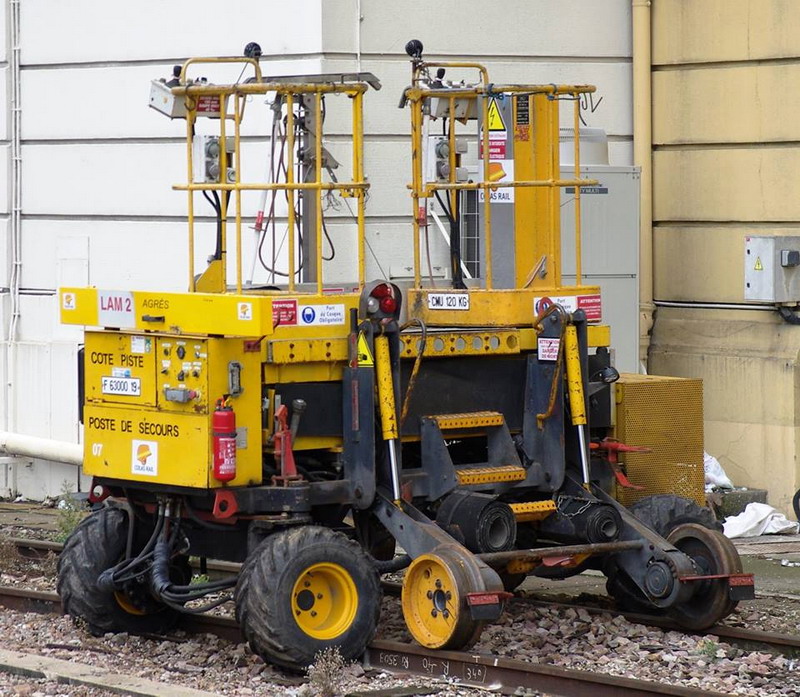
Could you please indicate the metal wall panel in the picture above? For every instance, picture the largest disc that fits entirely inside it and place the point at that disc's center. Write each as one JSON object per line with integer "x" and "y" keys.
{"x": 512, "y": 28}
{"x": 82, "y": 31}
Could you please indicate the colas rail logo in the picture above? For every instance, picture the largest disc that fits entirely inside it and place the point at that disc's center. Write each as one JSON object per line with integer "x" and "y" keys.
{"x": 144, "y": 457}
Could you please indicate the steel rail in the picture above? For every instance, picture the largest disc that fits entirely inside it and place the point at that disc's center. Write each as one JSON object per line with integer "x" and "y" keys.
{"x": 503, "y": 675}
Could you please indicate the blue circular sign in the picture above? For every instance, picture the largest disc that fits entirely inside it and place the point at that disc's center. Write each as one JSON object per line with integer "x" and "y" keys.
{"x": 308, "y": 315}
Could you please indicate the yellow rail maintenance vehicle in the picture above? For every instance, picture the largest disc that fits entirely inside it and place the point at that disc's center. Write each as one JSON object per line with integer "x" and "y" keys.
{"x": 309, "y": 429}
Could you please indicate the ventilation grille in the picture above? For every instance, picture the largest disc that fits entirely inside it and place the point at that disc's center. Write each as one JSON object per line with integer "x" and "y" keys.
{"x": 666, "y": 415}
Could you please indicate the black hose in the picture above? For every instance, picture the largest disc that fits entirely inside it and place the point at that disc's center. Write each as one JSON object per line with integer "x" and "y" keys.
{"x": 788, "y": 315}
{"x": 112, "y": 579}
{"x": 391, "y": 565}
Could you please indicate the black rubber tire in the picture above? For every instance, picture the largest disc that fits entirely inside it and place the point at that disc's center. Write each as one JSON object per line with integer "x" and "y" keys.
{"x": 264, "y": 595}
{"x": 662, "y": 513}
{"x": 796, "y": 504}
{"x": 665, "y": 512}
{"x": 97, "y": 544}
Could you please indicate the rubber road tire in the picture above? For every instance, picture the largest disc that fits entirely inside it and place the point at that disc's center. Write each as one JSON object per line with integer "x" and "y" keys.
{"x": 264, "y": 595}
{"x": 97, "y": 544}
{"x": 665, "y": 512}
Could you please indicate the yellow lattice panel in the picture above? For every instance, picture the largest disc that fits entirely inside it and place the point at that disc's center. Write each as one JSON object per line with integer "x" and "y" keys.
{"x": 531, "y": 511}
{"x": 664, "y": 414}
{"x": 490, "y": 475}
{"x": 478, "y": 419}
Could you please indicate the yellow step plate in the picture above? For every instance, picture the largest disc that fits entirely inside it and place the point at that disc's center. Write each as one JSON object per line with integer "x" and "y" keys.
{"x": 477, "y": 419}
{"x": 490, "y": 475}
{"x": 532, "y": 510}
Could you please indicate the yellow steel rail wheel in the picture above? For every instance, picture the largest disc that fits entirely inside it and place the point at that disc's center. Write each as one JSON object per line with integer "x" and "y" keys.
{"x": 97, "y": 544}
{"x": 712, "y": 553}
{"x": 304, "y": 589}
{"x": 434, "y": 598}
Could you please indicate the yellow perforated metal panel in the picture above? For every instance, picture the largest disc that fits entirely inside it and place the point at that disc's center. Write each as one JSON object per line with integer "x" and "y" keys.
{"x": 666, "y": 415}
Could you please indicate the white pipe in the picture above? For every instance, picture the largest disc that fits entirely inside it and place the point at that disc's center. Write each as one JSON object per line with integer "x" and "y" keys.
{"x": 15, "y": 200}
{"x": 643, "y": 156}
{"x": 42, "y": 448}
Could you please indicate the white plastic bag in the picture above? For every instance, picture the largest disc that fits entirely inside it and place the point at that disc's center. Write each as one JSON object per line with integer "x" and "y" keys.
{"x": 715, "y": 475}
{"x": 758, "y": 519}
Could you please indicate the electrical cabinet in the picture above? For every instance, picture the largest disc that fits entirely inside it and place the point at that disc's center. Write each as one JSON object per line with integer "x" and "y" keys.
{"x": 609, "y": 250}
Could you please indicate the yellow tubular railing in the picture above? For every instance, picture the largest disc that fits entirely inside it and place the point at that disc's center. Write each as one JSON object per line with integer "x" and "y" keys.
{"x": 232, "y": 100}
{"x": 358, "y": 175}
{"x": 418, "y": 96}
{"x": 577, "y": 142}
{"x": 318, "y": 193}
{"x": 190, "y": 194}
{"x": 289, "y": 181}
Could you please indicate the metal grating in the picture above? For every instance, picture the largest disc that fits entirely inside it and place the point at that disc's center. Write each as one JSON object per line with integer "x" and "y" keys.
{"x": 488, "y": 475}
{"x": 666, "y": 415}
{"x": 478, "y": 419}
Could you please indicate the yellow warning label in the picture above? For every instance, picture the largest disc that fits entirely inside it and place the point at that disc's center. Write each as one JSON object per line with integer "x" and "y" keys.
{"x": 759, "y": 266}
{"x": 364, "y": 354}
{"x": 495, "y": 118}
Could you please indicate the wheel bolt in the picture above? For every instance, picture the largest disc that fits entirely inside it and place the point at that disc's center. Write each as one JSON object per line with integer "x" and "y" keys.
{"x": 433, "y": 612}
{"x": 430, "y": 595}
{"x": 445, "y": 614}
{"x": 319, "y": 596}
{"x": 313, "y": 613}
{"x": 448, "y": 595}
{"x": 438, "y": 583}
{"x": 297, "y": 612}
{"x": 307, "y": 584}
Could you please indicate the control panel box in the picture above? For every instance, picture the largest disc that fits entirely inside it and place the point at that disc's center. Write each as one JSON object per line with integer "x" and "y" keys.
{"x": 772, "y": 268}
{"x": 149, "y": 403}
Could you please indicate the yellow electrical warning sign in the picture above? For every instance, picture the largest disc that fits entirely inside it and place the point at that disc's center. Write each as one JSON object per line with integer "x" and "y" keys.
{"x": 364, "y": 354}
{"x": 759, "y": 266}
{"x": 495, "y": 118}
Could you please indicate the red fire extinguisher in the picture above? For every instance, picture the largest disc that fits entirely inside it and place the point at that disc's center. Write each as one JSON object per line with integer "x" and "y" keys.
{"x": 223, "y": 426}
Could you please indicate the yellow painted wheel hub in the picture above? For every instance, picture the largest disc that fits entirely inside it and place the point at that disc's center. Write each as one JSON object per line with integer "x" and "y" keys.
{"x": 124, "y": 602}
{"x": 431, "y": 600}
{"x": 324, "y": 601}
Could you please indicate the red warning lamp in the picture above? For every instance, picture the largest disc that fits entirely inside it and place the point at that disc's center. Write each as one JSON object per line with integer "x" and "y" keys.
{"x": 381, "y": 300}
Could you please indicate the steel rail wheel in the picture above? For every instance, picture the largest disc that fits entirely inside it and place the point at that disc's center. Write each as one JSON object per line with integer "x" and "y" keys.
{"x": 662, "y": 513}
{"x": 434, "y": 598}
{"x": 305, "y": 589}
{"x": 97, "y": 544}
{"x": 712, "y": 553}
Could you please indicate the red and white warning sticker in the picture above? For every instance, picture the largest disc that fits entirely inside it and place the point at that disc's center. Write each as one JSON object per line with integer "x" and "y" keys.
{"x": 590, "y": 304}
{"x": 548, "y": 348}
{"x": 284, "y": 313}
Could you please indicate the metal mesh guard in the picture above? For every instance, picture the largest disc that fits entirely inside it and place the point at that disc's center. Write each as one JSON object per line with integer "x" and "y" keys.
{"x": 666, "y": 415}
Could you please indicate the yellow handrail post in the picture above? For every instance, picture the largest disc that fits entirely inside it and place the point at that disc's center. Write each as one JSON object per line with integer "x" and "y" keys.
{"x": 358, "y": 176}
{"x": 578, "y": 241}
{"x": 289, "y": 181}
{"x": 223, "y": 199}
{"x": 487, "y": 195}
{"x": 318, "y": 188}
{"x": 190, "y": 114}
{"x": 237, "y": 116}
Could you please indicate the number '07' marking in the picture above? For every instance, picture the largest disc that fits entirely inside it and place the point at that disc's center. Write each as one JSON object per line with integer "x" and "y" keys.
{"x": 97, "y": 449}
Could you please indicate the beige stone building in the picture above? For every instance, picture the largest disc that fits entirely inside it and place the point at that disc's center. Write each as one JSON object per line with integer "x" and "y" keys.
{"x": 726, "y": 165}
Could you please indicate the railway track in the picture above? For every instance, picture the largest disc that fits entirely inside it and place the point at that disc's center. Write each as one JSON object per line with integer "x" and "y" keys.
{"x": 501, "y": 675}
{"x": 482, "y": 670}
